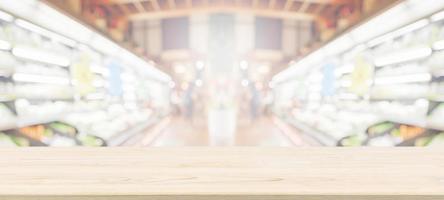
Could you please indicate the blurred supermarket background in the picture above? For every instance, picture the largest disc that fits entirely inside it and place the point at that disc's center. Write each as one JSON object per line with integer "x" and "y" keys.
{"x": 221, "y": 72}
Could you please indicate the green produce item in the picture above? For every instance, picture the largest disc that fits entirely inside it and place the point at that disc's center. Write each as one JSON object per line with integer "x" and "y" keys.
{"x": 424, "y": 141}
{"x": 22, "y": 142}
{"x": 89, "y": 140}
{"x": 379, "y": 129}
{"x": 48, "y": 133}
{"x": 352, "y": 141}
{"x": 395, "y": 133}
{"x": 63, "y": 128}
{"x": 438, "y": 140}
{"x": 11, "y": 140}
{"x": 6, "y": 141}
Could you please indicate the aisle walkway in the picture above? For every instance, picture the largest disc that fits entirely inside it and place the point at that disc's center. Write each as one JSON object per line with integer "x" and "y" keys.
{"x": 182, "y": 132}
{"x": 261, "y": 132}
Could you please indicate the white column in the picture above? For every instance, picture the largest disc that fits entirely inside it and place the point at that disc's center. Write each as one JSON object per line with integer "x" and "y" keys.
{"x": 289, "y": 37}
{"x": 244, "y": 33}
{"x": 154, "y": 37}
{"x": 199, "y": 33}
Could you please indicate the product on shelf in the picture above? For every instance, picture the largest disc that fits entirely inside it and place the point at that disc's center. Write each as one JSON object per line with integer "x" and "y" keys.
{"x": 393, "y": 134}
{"x": 63, "y": 129}
{"x": 13, "y": 141}
{"x": 404, "y": 75}
{"x": 53, "y": 134}
{"x": 351, "y": 141}
{"x": 435, "y": 118}
{"x": 437, "y": 140}
{"x": 90, "y": 140}
{"x": 8, "y": 118}
{"x": 406, "y": 132}
{"x": 47, "y": 77}
{"x": 423, "y": 141}
{"x": 37, "y": 132}
{"x": 6, "y": 141}
{"x": 380, "y": 129}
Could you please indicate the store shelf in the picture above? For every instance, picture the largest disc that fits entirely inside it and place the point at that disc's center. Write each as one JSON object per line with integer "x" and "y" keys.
{"x": 423, "y": 122}
{"x": 222, "y": 173}
{"x": 394, "y": 77}
{"x": 33, "y": 120}
{"x": 47, "y": 63}
{"x": 410, "y": 120}
{"x": 321, "y": 137}
{"x": 125, "y": 135}
{"x": 30, "y": 121}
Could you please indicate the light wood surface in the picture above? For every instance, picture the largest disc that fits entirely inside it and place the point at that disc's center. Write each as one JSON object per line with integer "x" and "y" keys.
{"x": 222, "y": 173}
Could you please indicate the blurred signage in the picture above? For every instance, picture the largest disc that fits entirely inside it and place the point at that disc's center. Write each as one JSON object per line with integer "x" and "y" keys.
{"x": 328, "y": 80}
{"x": 82, "y": 75}
{"x": 361, "y": 76}
{"x": 115, "y": 81}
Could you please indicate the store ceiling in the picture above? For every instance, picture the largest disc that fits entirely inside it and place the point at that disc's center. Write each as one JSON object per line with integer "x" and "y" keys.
{"x": 117, "y": 18}
{"x": 117, "y": 11}
{"x": 148, "y": 9}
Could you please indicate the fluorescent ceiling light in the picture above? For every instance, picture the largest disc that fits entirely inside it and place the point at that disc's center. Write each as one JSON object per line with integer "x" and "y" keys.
{"x": 437, "y": 17}
{"x": 399, "y": 32}
{"x": 40, "y": 55}
{"x": 41, "y": 31}
{"x": 403, "y": 56}
{"x": 51, "y": 19}
{"x": 32, "y": 27}
{"x": 5, "y": 45}
{"x": 36, "y": 78}
{"x": 108, "y": 47}
{"x": 438, "y": 45}
{"x": 409, "y": 78}
{"x": 404, "y": 13}
{"x": 6, "y": 17}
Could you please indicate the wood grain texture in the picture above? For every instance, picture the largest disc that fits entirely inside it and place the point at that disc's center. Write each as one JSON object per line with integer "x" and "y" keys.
{"x": 222, "y": 173}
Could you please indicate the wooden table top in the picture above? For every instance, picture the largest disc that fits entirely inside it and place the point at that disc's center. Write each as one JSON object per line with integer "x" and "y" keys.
{"x": 222, "y": 173}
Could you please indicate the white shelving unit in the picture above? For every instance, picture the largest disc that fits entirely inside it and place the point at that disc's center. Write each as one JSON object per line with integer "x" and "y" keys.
{"x": 389, "y": 73}
{"x": 50, "y": 69}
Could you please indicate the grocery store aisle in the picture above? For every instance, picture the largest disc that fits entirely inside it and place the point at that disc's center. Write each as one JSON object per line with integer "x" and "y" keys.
{"x": 182, "y": 132}
{"x": 260, "y": 132}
